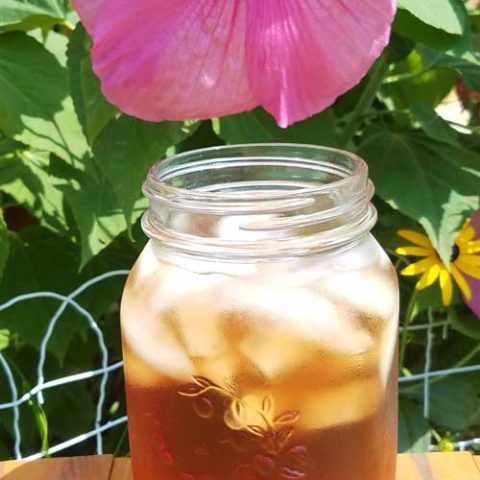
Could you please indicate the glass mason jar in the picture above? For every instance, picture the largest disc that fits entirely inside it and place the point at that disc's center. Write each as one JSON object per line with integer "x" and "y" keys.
{"x": 260, "y": 322}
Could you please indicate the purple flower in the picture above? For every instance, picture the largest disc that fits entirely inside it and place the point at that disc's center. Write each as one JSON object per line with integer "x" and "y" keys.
{"x": 474, "y": 302}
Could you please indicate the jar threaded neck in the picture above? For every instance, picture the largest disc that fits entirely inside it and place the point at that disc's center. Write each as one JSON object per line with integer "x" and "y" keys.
{"x": 259, "y": 200}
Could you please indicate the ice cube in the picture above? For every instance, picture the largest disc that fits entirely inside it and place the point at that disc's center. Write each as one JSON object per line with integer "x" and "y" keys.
{"x": 137, "y": 372}
{"x": 149, "y": 337}
{"x": 177, "y": 285}
{"x": 372, "y": 290}
{"x": 284, "y": 327}
{"x": 198, "y": 324}
{"x": 219, "y": 370}
{"x": 345, "y": 404}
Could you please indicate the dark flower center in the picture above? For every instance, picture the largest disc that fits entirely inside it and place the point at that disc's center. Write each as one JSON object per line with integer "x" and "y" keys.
{"x": 455, "y": 253}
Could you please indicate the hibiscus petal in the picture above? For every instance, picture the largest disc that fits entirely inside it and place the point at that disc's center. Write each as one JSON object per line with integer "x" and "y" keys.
{"x": 171, "y": 59}
{"x": 303, "y": 54}
{"x": 89, "y": 11}
{"x": 179, "y": 59}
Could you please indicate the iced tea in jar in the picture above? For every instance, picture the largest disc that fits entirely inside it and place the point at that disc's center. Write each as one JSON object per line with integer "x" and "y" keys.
{"x": 260, "y": 322}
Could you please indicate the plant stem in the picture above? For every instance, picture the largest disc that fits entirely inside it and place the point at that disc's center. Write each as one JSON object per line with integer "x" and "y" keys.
{"x": 366, "y": 99}
{"x": 118, "y": 447}
{"x": 41, "y": 419}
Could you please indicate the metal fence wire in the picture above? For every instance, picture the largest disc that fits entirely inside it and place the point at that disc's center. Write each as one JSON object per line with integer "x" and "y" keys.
{"x": 102, "y": 373}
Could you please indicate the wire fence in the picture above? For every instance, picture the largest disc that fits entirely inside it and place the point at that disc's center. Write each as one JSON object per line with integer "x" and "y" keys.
{"x": 37, "y": 391}
{"x": 106, "y": 369}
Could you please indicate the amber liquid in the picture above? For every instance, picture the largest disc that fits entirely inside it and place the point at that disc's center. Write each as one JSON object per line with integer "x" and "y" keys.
{"x": 246, "y": 392}
{"x": 180, "y": 437}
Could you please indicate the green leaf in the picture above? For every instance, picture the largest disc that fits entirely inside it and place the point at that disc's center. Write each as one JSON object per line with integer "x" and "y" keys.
{"x": 414, "y": 29}
{"x": 10, "y": 166}
{"x": 203, "y": 137}
{"x": 16, "y": 11}
{"x": 57, "y": 44}
{"x": 71, "y": 413}
{"x": 431, "y": 297}
{"x": 434, "y": 183}
{"x": 388, "y": 223}
{"x": 97, "y": 213}
{"x": 34, "y": 188}
{"x": 4, "y": 245}
{"x": 432, "y": 124}
{"x": 464, "y": 321}
{"x": 258, "y": 126}
{"x": 453, "y": 402}
{"x": 413, "y": 81}
{"x": 399, "y": 48}
{"x": 447, "y": 15}
{"x": 414, "y": 433}
{"x": 93, "y": 110}
{"x": 4, "y": 339}
{"x": 465, "y": 62}
{"x": 127, "y": 148}
{"x": 39, "y": 260}
{"x": 8, "y": 145}
{"x": 34, "y": 106}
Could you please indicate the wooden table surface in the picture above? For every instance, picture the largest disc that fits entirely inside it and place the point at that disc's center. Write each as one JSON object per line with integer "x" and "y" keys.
{"x": 432, "y": 466}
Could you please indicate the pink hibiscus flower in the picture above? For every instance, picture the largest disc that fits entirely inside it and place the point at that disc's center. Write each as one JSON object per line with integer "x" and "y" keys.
{"x": 474, "y": 283}
{"x": 182, "y": 59}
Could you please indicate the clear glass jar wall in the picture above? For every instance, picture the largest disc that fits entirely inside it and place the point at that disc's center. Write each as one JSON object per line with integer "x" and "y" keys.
{"x": 260, "y": 322}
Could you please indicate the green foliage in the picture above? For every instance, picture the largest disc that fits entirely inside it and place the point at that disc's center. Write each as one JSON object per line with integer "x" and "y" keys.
{"x": 259, "y": 127}
{"x": 397, "y": 159}
{"x": 72, "y": 165}
{"x": 35, "y": 12}
{"x": 468, "y": 67}
{"x": 127, "y": 138}
{"x": 35, "y": 106}
{"x": 4, "y": 339}
{"x": 93, "y": 111}
{"x": 4, "y": 244}
{"x": 453, "y": 402}
{"x": 446, "y": 15}
{"x": 432, "y": 124}
{"x": 414, "y": 433}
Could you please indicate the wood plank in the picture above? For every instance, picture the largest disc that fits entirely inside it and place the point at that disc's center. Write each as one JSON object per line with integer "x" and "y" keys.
{"x": 122, "y": 469}
{"x": 453, "y": 466}
{"x": 437, "y": 466}
{"x": 79, "y": 468}
{"x": 432, "y": 466}
{"x": 405, "y": 468}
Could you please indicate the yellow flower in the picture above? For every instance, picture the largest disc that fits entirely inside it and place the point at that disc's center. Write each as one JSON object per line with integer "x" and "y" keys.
{"x": 462, "y": 261}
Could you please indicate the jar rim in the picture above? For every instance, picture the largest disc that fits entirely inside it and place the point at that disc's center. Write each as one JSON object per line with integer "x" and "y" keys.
{"x": 156, "y": 183}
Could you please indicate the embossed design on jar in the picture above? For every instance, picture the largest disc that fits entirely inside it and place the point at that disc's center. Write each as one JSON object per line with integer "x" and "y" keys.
{"x": 253, "y": 428}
